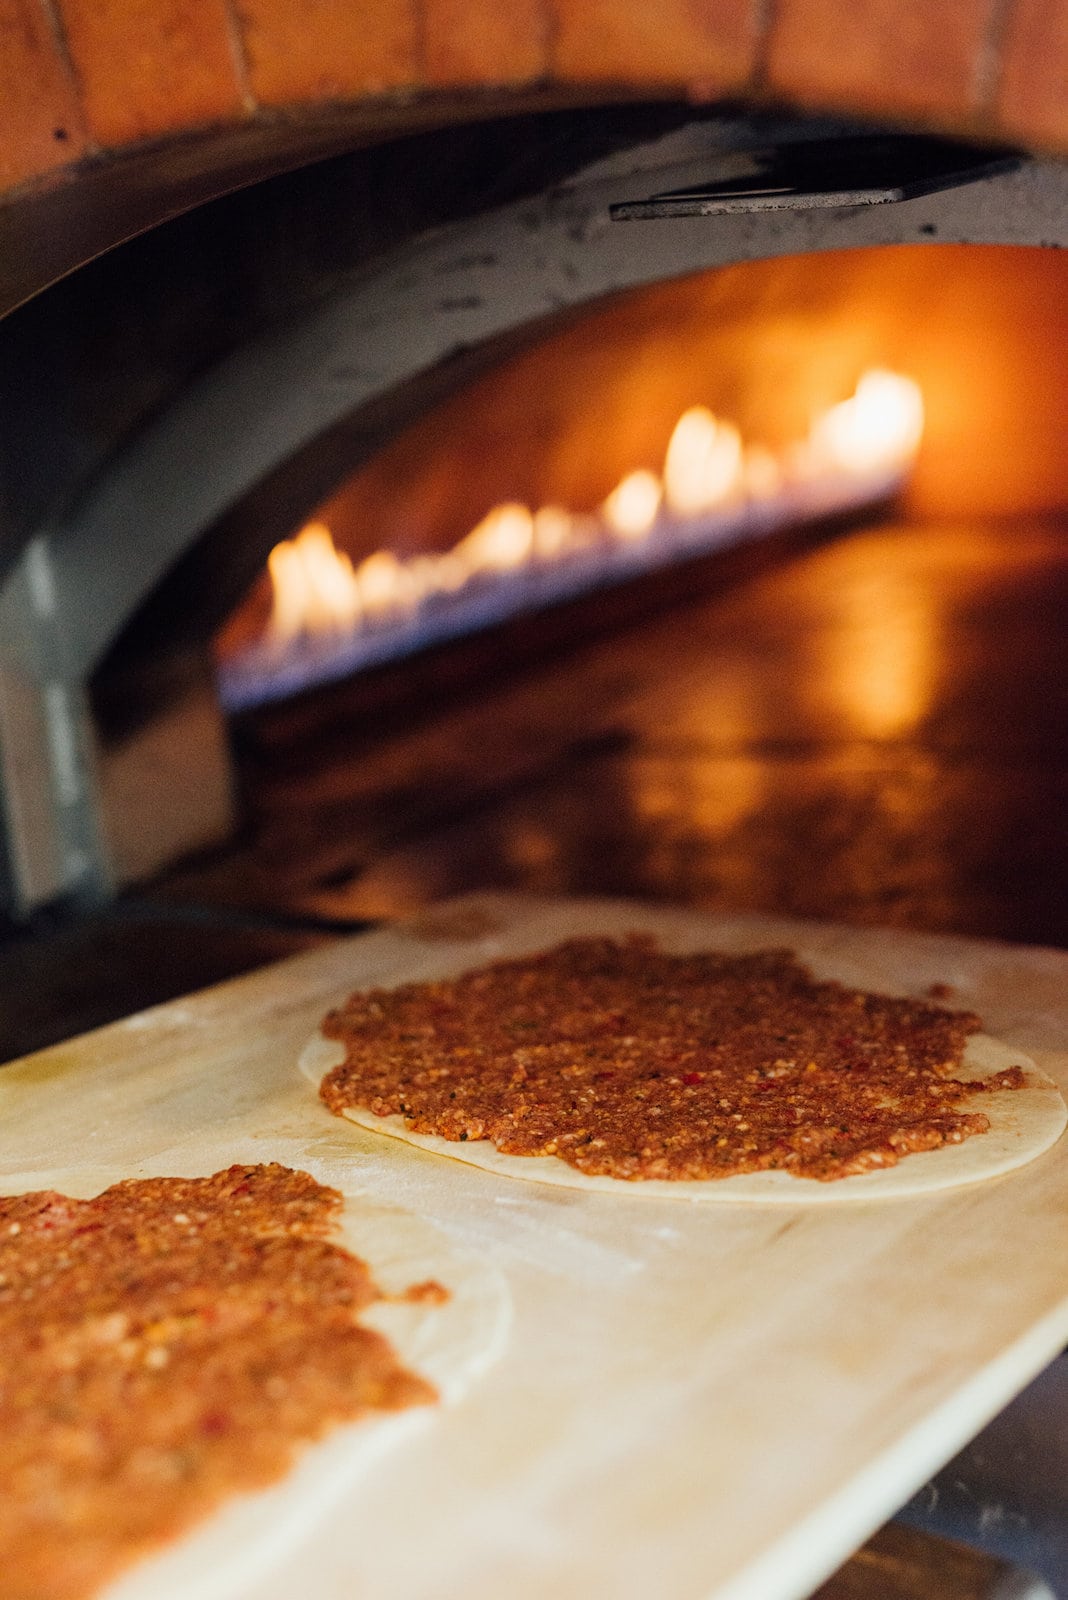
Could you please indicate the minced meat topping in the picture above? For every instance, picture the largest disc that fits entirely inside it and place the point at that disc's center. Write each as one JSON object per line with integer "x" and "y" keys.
{"x": 165, "y": 1345}
{"x": 629, "y": 1063}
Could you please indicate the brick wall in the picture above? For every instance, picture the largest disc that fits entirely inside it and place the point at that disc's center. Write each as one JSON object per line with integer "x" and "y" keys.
{"x": 78, "y": 77}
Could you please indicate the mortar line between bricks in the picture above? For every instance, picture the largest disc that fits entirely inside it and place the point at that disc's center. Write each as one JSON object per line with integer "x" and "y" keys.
{"x": 420, "y": 42}
{"x": 57, "y": 28}
{"x": 765, "y": 14}
{"x": 987, "y": 78}
{"x": 235, "y": 34}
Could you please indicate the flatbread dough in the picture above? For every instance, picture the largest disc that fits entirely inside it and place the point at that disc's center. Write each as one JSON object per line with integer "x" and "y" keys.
{"x": 450, "y": 1344}
{"x": 1023, "y": 1123}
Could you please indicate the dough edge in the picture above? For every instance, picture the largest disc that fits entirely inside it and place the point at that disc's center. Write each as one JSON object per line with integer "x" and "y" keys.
{"x": 1024, "y": 1123}
{"x": 450, "y": 1344}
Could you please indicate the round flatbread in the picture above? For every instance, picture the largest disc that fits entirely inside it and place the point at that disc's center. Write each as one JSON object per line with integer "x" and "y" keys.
{"x": 1024, "y": 1122}
{"x": 450, "y": 1344}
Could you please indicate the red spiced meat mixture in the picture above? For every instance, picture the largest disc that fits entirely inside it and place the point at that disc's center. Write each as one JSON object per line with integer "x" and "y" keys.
{"x": 166, "y": 1345}
{"x": 633, "y": 1064}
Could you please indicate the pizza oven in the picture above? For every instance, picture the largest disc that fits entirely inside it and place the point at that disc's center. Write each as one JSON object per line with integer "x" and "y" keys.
{"x": 350, "y": 557}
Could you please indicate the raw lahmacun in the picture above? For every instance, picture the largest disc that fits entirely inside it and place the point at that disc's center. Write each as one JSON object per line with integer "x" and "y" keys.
{"x": 173, "y": 1343}
{"x": 603, "y": 1063}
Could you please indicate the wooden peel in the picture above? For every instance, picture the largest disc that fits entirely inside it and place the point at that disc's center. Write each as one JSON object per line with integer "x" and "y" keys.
{"x": 698, "y": 1404}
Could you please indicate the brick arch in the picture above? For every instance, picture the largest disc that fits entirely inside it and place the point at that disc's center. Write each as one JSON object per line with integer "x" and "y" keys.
{"x": 85, "y": 79}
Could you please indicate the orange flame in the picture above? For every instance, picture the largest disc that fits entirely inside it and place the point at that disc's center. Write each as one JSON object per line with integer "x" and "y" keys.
{"x": 880, "y": 426}
{"x": 315, "y": 588}
{"x": 703, "y": 465}
{"x": 708, "y": 470}
{"x": 502, "y": 540}
{"x": 631, "y": 508}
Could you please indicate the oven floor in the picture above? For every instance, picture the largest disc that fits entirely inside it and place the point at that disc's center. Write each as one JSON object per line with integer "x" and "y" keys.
{"x": 872, "y": 728}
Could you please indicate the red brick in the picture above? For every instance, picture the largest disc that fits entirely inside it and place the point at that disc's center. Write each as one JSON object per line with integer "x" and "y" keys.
{"x": 710, "y": 44}
{"x": 149, "y": 67}
{"x": 301, "y": 50}
{"x": 1032, "y": 101}
{"x": 484, "y": 41}
{"x": 41, "y": 123}
{"x": 902, "y": 57}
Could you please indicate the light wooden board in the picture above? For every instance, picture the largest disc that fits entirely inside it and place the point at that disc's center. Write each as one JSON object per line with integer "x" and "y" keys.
{"x": 695, "y": 1402}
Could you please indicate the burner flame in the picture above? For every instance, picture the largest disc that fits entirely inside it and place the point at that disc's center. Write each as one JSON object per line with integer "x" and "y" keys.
{"x": 314, "y": 586}
{"x": 714, "y": 490}
{"x": 502, "y": 541}
{"x": 877, "y": 429}
{"x": 703, "y": 465}
{"x": 632, "y": 507}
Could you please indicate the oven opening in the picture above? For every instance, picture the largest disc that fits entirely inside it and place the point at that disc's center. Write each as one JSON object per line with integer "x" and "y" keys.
{"x": 640, "y": 501}
{"x": 719, "y": 592}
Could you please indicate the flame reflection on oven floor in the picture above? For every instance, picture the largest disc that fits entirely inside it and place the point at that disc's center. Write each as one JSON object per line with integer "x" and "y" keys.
{"x": 330, "y": 616}
{"x": 753, "y": 745}
{"x": 883, "y": 658}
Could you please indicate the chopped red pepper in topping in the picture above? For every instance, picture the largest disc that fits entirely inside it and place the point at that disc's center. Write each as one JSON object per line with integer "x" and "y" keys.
{"x": 167, "y": 1345}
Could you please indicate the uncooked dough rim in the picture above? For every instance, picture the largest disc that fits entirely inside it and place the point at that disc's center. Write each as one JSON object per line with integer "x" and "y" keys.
{"x": 449, "y": 1344}
{"x": 1024, "y": 1124}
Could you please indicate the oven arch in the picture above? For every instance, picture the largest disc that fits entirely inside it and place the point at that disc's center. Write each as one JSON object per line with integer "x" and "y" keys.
{"x": 428, "y": 313}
